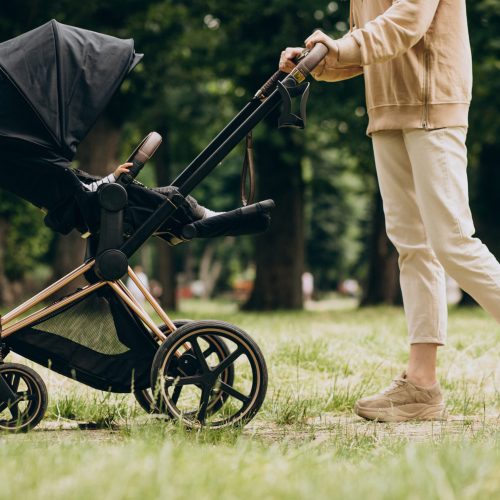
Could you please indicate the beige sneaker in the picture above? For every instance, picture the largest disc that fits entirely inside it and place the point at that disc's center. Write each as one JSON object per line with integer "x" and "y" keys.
{"x": 403, "y": 401}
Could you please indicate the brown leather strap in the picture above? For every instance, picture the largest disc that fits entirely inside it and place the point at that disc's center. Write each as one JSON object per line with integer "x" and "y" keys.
{"x": 248, "y": 172}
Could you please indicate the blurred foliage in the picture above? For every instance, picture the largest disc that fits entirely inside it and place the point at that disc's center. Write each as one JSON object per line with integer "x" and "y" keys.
{"x": 26, "y": 240}
{"x": 203, "y": 60}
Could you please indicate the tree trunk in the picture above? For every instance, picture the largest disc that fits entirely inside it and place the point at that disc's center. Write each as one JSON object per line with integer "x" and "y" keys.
{"x": 4, "y": 282}
{"x": 211, "y": 266}
{"x": 487, "y": 205}
{"x": 382, "y": 285}
{"x": 279, "y": 252}
{"x": 97, "y": 155}
{"x": 166, "y": 266}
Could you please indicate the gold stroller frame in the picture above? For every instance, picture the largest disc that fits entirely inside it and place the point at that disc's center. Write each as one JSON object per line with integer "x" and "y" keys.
{"x": 7, "y": 328}
{"x": 215, "y": 381}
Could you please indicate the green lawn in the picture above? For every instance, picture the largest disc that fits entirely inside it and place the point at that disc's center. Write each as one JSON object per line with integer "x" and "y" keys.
{"x": 304, "y": 443}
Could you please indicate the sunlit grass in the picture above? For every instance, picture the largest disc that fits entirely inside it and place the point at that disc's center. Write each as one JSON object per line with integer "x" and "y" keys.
{"x": 304, "y": 443}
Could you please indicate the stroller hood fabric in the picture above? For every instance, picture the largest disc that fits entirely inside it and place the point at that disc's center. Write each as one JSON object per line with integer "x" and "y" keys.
{"x": 67, "y": 76}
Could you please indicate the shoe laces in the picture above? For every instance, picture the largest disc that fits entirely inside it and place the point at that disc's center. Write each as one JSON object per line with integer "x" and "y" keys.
{"x": 394, "y": 385}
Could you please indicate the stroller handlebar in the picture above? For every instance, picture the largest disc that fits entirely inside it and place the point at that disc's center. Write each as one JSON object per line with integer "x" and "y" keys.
{"x": 141, "y": 154}
{"x": 305, "y": 62}
{"x": 309, "y": 59}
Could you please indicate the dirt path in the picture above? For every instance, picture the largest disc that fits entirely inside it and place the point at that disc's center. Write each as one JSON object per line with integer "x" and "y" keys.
{"x": 318, "y": 430}
{"x": 327, "y": 426}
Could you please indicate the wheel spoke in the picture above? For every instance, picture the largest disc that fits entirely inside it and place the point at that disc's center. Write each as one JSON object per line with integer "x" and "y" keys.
{"x": 26, "y": 396}
{"x": 233, "y": 392}
{"x": 14, "y": 411}
{"x": 225, "y": 363}
{"x": 202, "y": 411}
{"x": 176, "y": 394}
{"x": 16, "y": 378}
{"x": 181, "y": 381}
{"x": 208, "y": 351}
{"x": 199, "y": 355}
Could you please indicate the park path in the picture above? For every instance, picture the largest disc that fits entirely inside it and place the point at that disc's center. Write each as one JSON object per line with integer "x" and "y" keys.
{"x": 317, "y": 430}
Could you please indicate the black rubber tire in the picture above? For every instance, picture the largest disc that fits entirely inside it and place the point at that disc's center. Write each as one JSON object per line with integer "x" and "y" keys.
{"x": 245, "y": 345}
{"x": 145, "y": 400}
{"x": 145, "y": 397}
{"x": 34, "y": 412}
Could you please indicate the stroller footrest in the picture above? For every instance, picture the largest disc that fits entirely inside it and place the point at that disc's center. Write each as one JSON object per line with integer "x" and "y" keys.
{"x": 251, "y": 219}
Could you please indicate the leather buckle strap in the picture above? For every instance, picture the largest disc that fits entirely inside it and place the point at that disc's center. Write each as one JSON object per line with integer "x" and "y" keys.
{"x": 248, "y": 172}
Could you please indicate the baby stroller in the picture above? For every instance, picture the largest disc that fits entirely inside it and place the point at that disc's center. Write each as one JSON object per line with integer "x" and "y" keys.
{"x": 54, "y": 82}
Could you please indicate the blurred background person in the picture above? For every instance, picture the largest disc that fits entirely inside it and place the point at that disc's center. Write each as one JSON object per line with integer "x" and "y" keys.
{"x": 134, "y": 289}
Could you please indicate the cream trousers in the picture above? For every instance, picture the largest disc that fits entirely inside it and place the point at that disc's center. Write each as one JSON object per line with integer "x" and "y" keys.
{"x": 423, "y": 180}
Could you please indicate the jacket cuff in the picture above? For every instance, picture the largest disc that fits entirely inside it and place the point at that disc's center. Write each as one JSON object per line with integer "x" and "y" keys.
{"x": 319, "y": 69}
{"x": 349, "y": 51}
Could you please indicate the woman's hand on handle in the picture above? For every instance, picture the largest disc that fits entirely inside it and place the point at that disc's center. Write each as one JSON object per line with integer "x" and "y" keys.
{"x": 320, "y": 37}
{"x": 287, "y": 58}
{"x": 332, "y": 56}
{"x": 287, "y": 63}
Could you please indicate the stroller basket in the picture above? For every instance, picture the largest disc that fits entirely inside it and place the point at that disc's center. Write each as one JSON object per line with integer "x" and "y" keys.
{"x": 97, "y": 341}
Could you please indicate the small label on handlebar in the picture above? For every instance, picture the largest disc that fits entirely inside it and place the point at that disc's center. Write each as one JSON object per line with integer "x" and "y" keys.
{"x": 297, "y": 75}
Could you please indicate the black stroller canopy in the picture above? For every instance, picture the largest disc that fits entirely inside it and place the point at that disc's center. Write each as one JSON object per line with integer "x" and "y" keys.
{"x": 54, "y": 82}
{"x": 67, "y": 75}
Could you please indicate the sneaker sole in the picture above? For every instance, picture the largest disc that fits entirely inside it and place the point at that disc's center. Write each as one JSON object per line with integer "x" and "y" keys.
{"x": 416, "y": 411}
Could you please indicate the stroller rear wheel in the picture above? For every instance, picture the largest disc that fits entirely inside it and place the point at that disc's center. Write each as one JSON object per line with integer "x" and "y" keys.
{"x": 215, "y": 348}
{"x": 23, "y": 398}
{"x": 185, "y": 382}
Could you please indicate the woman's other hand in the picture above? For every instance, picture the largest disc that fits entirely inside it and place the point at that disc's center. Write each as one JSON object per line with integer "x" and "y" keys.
{"x": 287, "y": 57}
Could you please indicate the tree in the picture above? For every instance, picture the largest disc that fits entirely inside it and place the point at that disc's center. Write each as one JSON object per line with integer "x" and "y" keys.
{"x": 23, "y": 241}
{"x": 254, "y": 36}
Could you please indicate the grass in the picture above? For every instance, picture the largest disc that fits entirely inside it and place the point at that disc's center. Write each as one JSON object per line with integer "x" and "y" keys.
{"x": 304, "y": 443}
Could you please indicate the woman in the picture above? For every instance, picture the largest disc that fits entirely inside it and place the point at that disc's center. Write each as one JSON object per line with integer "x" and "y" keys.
{"x": 416, "y": 60}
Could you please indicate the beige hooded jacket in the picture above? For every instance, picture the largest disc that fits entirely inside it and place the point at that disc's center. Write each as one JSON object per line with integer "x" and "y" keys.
{"x": 416, "y": 60}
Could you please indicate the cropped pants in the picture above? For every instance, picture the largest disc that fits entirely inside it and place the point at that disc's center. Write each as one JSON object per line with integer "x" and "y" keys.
{"x": 423, "y": 180}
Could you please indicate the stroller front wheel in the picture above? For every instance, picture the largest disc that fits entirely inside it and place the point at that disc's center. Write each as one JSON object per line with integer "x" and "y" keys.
{"x": 23, "y": 399}
{"x": 185, "y": 381}
{"x": 215, "y": 348}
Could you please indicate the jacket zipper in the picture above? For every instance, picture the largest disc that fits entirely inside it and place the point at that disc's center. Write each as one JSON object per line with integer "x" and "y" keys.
{"x": 425, "y": 118}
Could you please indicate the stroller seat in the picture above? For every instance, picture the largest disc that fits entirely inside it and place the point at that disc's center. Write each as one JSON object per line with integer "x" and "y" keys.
{"x": 80, "y": 209}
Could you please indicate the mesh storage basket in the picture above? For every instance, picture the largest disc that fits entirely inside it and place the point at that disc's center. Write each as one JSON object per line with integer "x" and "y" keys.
{"x": 97, "y": 341}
